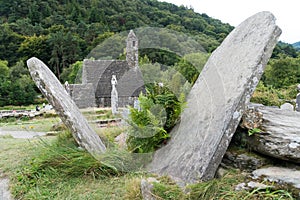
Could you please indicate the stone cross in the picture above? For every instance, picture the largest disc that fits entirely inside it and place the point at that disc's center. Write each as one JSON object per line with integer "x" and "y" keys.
{"x": 114, "y": 95}
{"x": 65, "y": 107}
{"x": 217, "y": 102}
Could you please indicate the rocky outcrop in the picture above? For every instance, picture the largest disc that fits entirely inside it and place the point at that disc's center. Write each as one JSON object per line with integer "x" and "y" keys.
{"x": 244, "y": 161}
{"x": 278, "y": 131}
{"x": 217, "y": 101}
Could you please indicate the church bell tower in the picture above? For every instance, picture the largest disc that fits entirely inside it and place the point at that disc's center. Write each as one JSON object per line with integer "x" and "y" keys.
{"x": 132, "y": 55}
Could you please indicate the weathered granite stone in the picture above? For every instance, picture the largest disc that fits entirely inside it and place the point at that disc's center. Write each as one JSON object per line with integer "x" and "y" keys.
{"x": 121, "y": 140}
{"x": 65, "y": 107}
{"x": 287, "y": 106}
{"x": 244, "y": 161}
{"x": 280, "y": 175}
{"x": 251, "y": 185}
{"x": 217, "y": 101}
{"x": 298, "y": 102}
{"x": 147, "y": 187}
{"x": 280, "y": 131}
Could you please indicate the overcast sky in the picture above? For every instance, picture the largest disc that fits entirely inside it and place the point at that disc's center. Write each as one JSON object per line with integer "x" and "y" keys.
{"x": 287, "y": 12}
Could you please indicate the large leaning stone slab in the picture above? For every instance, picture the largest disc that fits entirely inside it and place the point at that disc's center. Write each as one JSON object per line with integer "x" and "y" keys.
{"x": 61, "y": 101}
{"x": 217, "y": 101}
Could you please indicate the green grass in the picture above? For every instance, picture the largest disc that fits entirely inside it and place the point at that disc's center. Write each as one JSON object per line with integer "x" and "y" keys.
{"x": 13, "y": 152}
{"x": 58, "y": 169}
{"x": 55, "y": 168}
{"x": 38, "y": 124}
{"x": 12, "y": 107}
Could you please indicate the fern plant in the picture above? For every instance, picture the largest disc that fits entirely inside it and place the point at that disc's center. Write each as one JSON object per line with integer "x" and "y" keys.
{"x": 150, "y": 126}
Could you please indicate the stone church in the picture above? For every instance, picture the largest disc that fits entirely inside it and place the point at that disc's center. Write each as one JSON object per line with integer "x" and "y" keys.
{"x": 95, "y": 90}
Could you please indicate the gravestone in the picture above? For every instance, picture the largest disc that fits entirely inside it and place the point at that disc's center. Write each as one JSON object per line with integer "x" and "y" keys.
{"x": 65, "y": 107}
{"x": 114, "y": 95}
{"x": 217, "y": 101}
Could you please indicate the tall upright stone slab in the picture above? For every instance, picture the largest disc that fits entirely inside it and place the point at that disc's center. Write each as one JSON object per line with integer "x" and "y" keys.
{"x": 217, "y": 101}
{"x": 61, "y": 101}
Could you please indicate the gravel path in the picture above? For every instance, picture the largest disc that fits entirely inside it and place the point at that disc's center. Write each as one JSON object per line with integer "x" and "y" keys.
{"x": 4, "y": 181}
{"x": 22, "y": 134}
{"x": 4, "y": 188}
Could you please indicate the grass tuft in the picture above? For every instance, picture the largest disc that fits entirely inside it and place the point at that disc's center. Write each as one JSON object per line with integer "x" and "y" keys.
{"x": 60, "y": 159}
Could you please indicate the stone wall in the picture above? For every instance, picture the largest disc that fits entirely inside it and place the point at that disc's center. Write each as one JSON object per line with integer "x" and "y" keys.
{"x": 83, "y": 95}
{"x": 93, "y": 69}
{"x": 122, "y": 101}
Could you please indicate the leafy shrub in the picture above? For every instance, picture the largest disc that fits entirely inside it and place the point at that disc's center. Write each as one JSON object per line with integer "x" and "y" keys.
{"x": 8, "y": 120}
{"x": 269, "y": 96}
{"x": 160, "y": 110}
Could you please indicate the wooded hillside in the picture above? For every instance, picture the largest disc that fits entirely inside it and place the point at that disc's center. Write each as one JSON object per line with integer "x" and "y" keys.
{"x": 62, "y": 32}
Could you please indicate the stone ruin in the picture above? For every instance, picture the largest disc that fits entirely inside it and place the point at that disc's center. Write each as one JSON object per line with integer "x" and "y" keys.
{"x": 95, "y": 90}
{"x": 215, "y": 104}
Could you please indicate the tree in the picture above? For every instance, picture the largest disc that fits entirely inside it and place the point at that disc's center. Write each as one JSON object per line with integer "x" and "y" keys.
{"x": 9, "y": 44}
{"x": 18, "y": 70}
{"x": 35, "y": 46}
{"x": 22, "y": 91}
{"x": 73, "y": 74}
{"x": 4, "y": 83}
{"x": 65, "y": 50}
{"x": 282, "y": 72}
{"x": 16, "y": 85}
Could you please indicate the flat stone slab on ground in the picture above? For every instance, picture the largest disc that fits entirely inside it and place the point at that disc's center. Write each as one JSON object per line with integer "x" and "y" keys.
{"x": 280, "y": 175}
{"x": 217, "y": 101}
